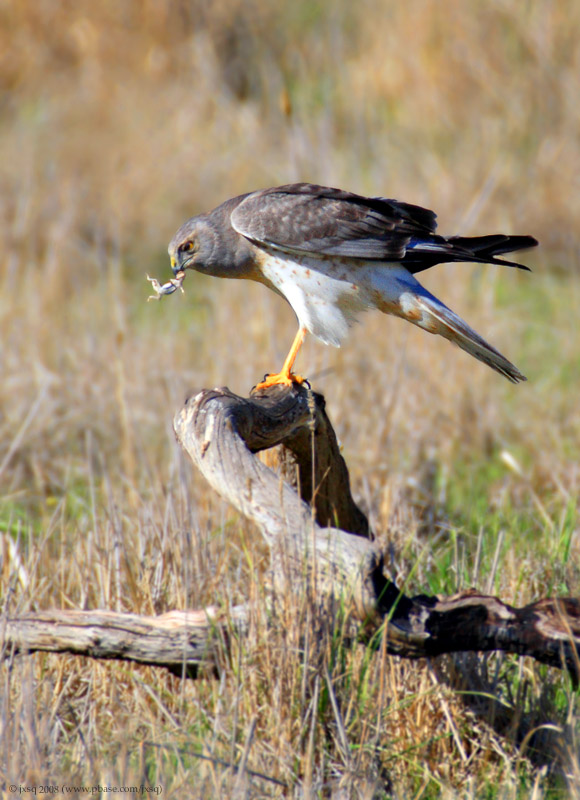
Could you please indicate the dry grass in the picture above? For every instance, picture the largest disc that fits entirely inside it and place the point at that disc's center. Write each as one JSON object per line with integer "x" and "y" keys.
{"x": 119, "y": 120}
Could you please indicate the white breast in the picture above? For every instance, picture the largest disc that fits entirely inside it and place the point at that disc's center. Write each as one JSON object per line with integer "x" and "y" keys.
{"x": 325, "y": 301}
{"x": 327, "y": 294}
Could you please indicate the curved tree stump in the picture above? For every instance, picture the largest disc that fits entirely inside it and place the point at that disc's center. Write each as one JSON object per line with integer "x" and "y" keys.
{"x": 316, "y": 534}
{"x": 221, "y": 431}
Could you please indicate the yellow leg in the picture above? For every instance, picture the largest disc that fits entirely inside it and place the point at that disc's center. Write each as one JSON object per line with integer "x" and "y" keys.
{"x": 285, "y": 376}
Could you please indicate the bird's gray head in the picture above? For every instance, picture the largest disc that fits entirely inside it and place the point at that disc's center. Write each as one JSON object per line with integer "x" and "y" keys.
{"x": 195, "y": 246}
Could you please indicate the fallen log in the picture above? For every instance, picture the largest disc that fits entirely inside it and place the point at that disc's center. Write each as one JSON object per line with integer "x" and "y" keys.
{"x": 318, "y": 536}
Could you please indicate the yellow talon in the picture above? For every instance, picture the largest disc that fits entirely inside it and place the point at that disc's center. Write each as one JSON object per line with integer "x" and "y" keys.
{"x": 286, "y": 377}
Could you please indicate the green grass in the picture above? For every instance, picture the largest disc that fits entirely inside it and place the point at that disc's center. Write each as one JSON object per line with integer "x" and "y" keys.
{"x": 120, "y": 121}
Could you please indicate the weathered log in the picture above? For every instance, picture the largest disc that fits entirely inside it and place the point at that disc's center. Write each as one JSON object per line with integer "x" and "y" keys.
{"x": 222, "y": 432}
{"x": 320, "y": 527}
{"x": 182, "y": 641}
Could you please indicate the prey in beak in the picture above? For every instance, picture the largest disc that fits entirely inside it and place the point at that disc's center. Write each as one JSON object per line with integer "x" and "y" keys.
{"x": 172, "y": 285}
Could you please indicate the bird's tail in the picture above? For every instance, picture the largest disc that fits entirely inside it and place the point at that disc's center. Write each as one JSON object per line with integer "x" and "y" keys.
{"x": 487, "y": 248}
{"x": 422, "y": 254}
{"x": 431, "y": 314}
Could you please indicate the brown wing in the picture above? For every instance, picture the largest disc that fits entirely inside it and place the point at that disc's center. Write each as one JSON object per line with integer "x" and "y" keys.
{"x": 313, "y": 219}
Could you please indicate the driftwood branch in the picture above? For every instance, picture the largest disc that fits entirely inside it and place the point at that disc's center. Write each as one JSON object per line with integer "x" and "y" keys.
{"x": 178, "y": 640}
{"x": 309, "y": 518}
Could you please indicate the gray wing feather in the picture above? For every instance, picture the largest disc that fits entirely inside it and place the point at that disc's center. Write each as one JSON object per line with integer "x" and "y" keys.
{"x": 313, "y": 219}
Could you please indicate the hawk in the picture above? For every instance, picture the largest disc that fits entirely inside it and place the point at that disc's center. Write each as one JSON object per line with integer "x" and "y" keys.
{"x": 333, "y": 254}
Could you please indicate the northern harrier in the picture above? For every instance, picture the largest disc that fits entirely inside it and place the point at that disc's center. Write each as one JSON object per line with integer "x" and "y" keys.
{"x": 333, "y": 254}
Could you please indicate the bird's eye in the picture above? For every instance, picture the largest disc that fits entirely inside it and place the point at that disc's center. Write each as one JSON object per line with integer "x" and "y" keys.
{"x": 186, "y": 247}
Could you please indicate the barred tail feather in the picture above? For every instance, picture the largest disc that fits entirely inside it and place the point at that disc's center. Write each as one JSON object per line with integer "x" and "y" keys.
{"x": 437, "y": 318}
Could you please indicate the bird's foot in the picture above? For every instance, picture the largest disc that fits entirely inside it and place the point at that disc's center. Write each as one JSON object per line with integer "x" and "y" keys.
{"x": 280, "y": 379}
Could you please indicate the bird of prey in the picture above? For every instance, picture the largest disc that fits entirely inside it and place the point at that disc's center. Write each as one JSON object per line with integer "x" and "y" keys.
{"x": 333, "y": 254}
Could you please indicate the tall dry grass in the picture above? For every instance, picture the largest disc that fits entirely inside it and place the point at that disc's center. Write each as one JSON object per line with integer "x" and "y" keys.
{"x": 118, "y": 121}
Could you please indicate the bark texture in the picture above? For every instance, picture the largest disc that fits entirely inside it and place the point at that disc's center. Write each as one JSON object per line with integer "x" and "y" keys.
{"x": 317, "y": 534}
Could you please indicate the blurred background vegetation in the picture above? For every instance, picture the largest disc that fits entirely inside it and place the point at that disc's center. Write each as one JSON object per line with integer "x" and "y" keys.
{"x": 118, "y": 120}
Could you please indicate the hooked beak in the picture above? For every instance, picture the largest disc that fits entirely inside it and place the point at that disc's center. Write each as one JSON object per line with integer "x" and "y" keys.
{"x": 175, "y": 265}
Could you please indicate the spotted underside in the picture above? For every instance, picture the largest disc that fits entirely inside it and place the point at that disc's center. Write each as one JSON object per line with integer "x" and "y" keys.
{"x": 327, "y": 295}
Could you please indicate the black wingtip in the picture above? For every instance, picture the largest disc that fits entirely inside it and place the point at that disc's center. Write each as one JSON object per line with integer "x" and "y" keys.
{"x": 505, "y": 263}
{"x": 519, "y": 242}
{"x": 490, "y": 248}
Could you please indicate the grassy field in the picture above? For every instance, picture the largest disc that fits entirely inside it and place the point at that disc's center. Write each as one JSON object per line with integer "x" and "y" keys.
{"x": 118, "y": 120}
